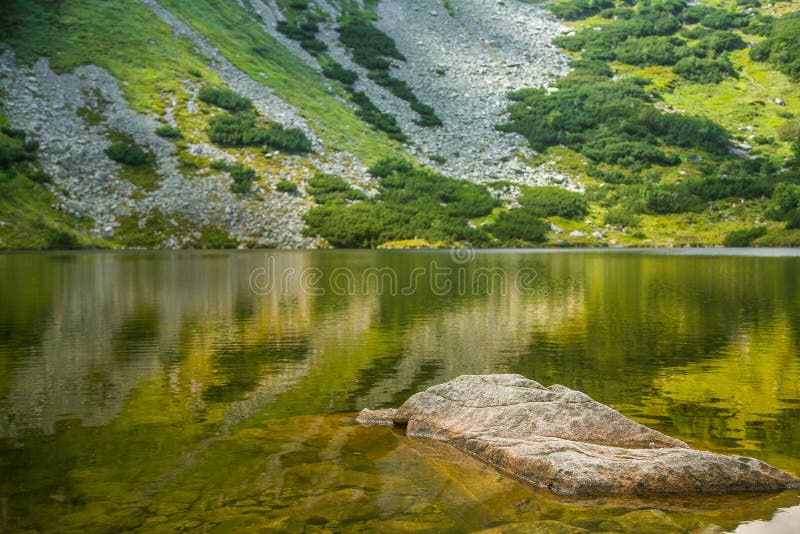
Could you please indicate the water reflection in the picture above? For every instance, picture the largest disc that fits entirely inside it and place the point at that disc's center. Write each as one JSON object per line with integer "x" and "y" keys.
{"x": 140, "y": 384}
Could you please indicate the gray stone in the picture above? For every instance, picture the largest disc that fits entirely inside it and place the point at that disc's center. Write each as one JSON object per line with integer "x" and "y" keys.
{"x": 559, "y": 439}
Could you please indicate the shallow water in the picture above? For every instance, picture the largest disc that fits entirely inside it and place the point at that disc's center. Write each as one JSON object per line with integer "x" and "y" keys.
{"x": 217, "y": 390}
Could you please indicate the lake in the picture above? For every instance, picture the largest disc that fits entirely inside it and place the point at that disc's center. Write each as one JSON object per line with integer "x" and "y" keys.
{"x": 217, "y": 390}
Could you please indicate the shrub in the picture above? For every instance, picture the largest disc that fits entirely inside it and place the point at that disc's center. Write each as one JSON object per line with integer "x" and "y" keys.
{"x": 592, "y": 67}
{"x": 241, "y": 130}
{"x": 286, "y": 186}
{"x": 369, "y": 113}
{"x": 672, "y": 198}
{"x": 789, "y": 130}
{"x": 718, "y": 42}
{"x": 326, "y": 188}
{"x": 701, "y": 70}
{"x": 289, "y": 140}
{"x": 361, "y": 225}
{"x": 335, "y": 71}
{"x": 724, "y": 20}
{"x": 411, "y": 203}
{"x": 793, "y": 221}
{"x": 522, "y": 224}
{"x": 785, "y": 201}
{"x": 554, "y": 201}
{"x": 169, "y": 132}
{"x": 618, "y": 12}
{"x": 10, "y": 154}
{"x": 744, "y": 238}
{"x": 579, "y": 9}
{"x": 127, "y": 154}
{"x": 387, "y": 166}
{"x": 225, "y": 99}
{"x": 619, "y": 216}
{"x": 724, "y": 186}
{"x": 651, "y": 50}
{"x": 56, "y": 239}
{"x": 697, "y": 32}
{"x": 41, "y": 177}
{"x": 366, "y": 41}
{"x": 369, "y": 47}
{"x": 782, "y": 48}
{"x": 627, "y": 153}
{"x": 243, "y": 178}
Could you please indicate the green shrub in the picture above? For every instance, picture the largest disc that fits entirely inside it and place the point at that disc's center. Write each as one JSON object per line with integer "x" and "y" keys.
{"x": 241, "y": 130}
{"x": 335, "y": 71}
{"x": 700, "y": 70}
{"x": 613, "y": 176}
{"x": 651, "y": 50}
{"x": 744, "y": 238}
{"x": 10, "y": 154}
{"x": 225, "y": 99}
{"x": 326, "y": 188}
{"x": 56, "y": 239}
{"x": 370, "y": 47}
{"x": 366, "y": 41}
{"x": 697, "y": 32}
{"x": 671, "y": 198}
{"x": 243, "y": 178}
{"x": 717, "y": 42}
{"x": 619, "y": 216}
{"x": 521, "y": 224}
{"x": 41, "y": 177}
{"x": 793, "y": 221}
{"x": 782, "y": 48}
{"x": 724, "y": 20}
{"x": 785, "y": 200}
{"x": 286, "y": 186}
{"x": 361, "y": 225}
{"x": 554, "y": 201}
{"x": 369, "y": 113}
{"x": 627, "y": 153}
{"x": 592, "y": 68}
{"x": 411, "y": 203}
{"x": 722, "y": 186}
{"x": 617, "y": 12}
{"x": 169, "y": 132}
{"x": 288, "y": 140}
{"x": 579, "y": 9}
{"x": 128, "y": 154}
{"x": 387, "y": 166}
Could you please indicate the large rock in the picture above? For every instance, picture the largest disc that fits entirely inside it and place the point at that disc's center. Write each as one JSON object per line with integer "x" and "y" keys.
{"x": 561, "y": 440}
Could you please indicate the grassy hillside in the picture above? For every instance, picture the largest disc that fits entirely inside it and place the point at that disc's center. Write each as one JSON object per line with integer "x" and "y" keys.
{"x": 681, "y": 135}
{"x": 681, "y": 122}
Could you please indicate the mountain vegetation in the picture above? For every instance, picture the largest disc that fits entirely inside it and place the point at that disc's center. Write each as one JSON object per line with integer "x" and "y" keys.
{"x": 678, "y": 125}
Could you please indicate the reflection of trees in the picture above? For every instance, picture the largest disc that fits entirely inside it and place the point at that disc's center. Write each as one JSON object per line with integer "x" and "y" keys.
{"x": 178, "y": 364}
{"x": 704, "y": 343}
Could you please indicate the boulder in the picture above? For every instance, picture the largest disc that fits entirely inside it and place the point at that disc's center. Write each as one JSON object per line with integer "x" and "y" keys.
{"x": 561, "y": 440}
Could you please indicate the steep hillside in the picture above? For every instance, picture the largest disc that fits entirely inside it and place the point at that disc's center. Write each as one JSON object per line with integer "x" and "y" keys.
{"x": 260, "y": 123}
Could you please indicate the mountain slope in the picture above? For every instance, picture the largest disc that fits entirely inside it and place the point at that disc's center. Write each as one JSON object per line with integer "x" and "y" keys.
{"x": 133, "y": 152}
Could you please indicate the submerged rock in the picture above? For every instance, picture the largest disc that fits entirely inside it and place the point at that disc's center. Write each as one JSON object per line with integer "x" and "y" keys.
{"x": 559, "y": 439}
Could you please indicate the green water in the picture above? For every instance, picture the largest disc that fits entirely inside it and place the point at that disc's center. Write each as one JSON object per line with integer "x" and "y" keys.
{"x": 216, "y": 391}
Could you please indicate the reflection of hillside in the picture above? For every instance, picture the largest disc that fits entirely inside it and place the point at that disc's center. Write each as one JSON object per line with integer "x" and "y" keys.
{"x": 644, "y": 313}
{"x": 191, "y": 388}
{"x": 485, "y": 334}
{"x": 114, "y": 322}
{"x": 740, "y": 399}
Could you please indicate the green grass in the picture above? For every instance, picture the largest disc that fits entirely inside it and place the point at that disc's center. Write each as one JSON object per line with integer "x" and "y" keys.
{"x": 247, "y": 46}
{"x": 745, "y": 106}
{"x": 123, "y": 36}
